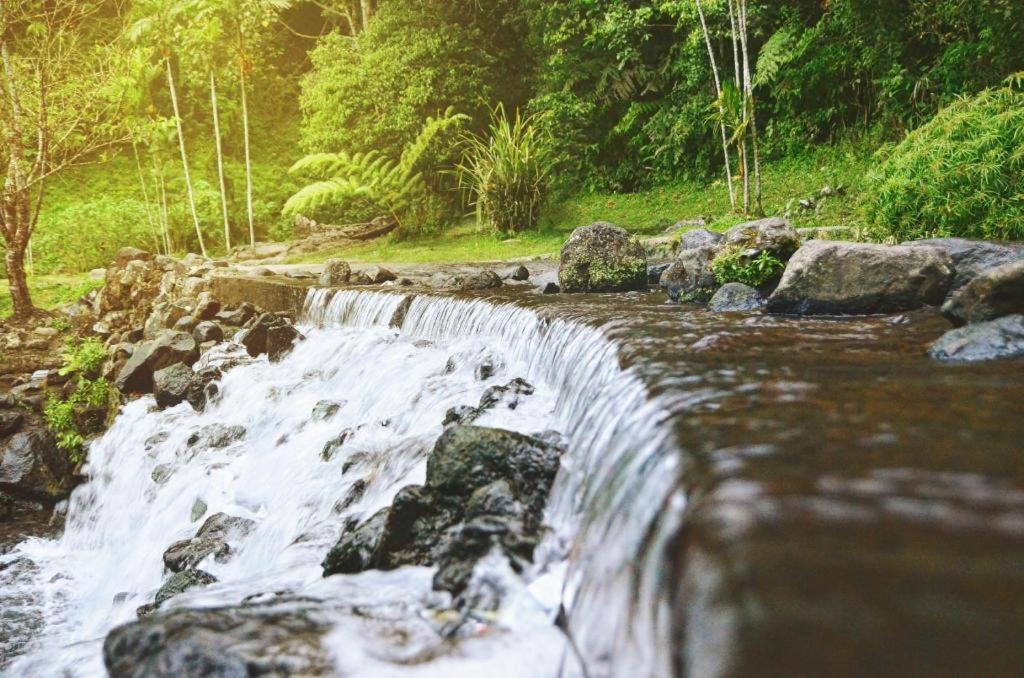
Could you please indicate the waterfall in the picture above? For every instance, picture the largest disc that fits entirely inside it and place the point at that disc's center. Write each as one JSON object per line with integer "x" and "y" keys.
{"x": 393, "y": 364}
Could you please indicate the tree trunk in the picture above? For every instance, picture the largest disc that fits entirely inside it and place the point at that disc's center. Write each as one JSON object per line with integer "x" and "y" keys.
{"x": 17, "y": 281}
{"x": 184, "y": 159}
{"x": 749, "y": 105}
{"x": 153, "y": 224}
{"x": 248, "y": 159}
{"x": 220, "y": 164}
{"x": 366, "y": 9}
{"x": 721, "y": 107}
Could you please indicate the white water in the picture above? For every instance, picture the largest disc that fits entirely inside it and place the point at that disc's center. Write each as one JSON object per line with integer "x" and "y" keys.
{"x": 601, "y": 560}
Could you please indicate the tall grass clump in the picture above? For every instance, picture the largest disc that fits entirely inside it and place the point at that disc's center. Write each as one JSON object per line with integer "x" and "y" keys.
{"x": 961, "y": 174}
{"x": 505, "y": 173}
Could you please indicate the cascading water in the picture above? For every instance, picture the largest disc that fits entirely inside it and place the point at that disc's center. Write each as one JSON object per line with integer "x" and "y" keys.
{"x": 394, "y": 365}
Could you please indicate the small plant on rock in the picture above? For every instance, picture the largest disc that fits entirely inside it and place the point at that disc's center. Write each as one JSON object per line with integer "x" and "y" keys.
{"x": 734, "y": 265}
{"x": 89, "y": 407}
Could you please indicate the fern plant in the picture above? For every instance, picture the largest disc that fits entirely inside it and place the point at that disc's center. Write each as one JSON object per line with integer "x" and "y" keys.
{"x": 505, "y": 174}
{"x": 398, "y": 187}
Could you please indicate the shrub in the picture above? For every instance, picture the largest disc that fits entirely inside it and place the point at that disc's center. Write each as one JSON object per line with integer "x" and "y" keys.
{"x": 961, "y": 174}
{"x": 506, "y": 174}
{"x": 732, "y": 265}
{"x": 84, "y": 359}
{"x": 90, "y": 406}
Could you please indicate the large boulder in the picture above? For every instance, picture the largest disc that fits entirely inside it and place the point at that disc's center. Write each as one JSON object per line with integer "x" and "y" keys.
{"x": 774, "y": 235}
{"x": 602, "y": 258}
{"x": 33, "y": 467}
{"x": 992, "y": 340}
{"x": 972, "y": 258}
{"x": 845, "y": 278}
{"x": 690, "y": 277}
{"x": 992, "y": 294}
{"x": 170, "y": 385}
{"x": 736, "y": 298}
{"x": 272, "y": 335}
{"x": 481, "y": 280}
{"x": 700, "y": 237}
{"x": 213, "y": 538}
{"x": 335, "y": 273}
{"x": 168, "y": 348}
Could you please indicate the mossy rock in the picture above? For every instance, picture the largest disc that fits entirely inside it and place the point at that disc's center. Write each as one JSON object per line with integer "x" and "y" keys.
{"x": 602, "y": 258}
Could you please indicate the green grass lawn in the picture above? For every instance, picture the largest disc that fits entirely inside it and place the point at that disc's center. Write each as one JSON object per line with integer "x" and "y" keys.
{"x": 645, "y": 213}
{"x": 50, "y": 291}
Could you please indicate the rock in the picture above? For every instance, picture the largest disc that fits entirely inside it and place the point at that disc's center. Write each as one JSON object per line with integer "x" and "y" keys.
{"x": 996, "y": 292}
{"x": 271, "y": 335}
{"x": 774, "y": 235}
{"x": 33, "y": 467}
{"x": 602, "y": 258}
{"x": 690, "y": 277}
{"x": 992, "y": 340}
{"x": 736, "y": 298}
{"x": 972, "y": 258}
{"x": 202, "y": 388}
{"x": 520, "y": 273}
{"x": 185, "y": 324}
{"x": 357, "y": 548}
{"x": 838, "y": 278}
{"x": 276, "y": 638}
{"x": 654, "y": 272}
{"x": 325, "y": 409}
{"x": 128, "y": 254}
{"x": 206, "y": 308}
{"x": 360, "y": 279}
{"x": 170, "y": 385}
{"x": 10, "y": 422}
{"x": 164, "y": 316}
{"x": 332, "y": 446}
{"x": 482, "y": 280}
{"x": 208, "y": 331}
{"x": 181, "y": 582}
{"x": 216, "y": 436}
{"x": 335, "y": 273}
{"x": 510, "y": 394}
{"x": 552, "y": 288}
{"x": 379, "y": 275}
{"x": 168, "y": 348}
{"x": 281, "y": 340}
{"x": 699, "y": 238}
{"x": 212, "y": 539}
{"x": 239, "y": 316}
{"x": 47, "y": 332}
{"x": 199, "y": 509}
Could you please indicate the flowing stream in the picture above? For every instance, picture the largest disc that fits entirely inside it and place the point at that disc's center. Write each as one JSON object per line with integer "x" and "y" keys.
{"x": 395, "y": 364}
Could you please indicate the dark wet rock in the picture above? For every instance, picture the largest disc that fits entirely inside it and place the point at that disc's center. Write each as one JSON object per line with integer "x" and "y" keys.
{"x": 182, "y": 581}
{"x": 216, "y": 436}
{"x": 774, "y": 235}
{"x": 333, "y": 445}
{"x": 212, "y": 539}
{"x": 972, "y": 258}
{"x": 996, "y": 292}
{"x": 208, "y": 331}
{"x": 510, "y": 394}
{"x": 654, "y": 272}
{"x": 325, "y": 409}
{"x": 206, "y": 308}
{"x": 398, "y": 317}
{"x": 203, "y": 387}
{"x": 10, "y": 422}
{"x": 602, "y": 258}
{"x": 736, "y": 298}
{"x": 165, "y": 316}
{"x": 482, "y": 280}
{"x": 379, "y": 275}
{"x": 690, "y": 278}
{"x": 272, "y": 335}
{"x": 161, "y": 473}
{"x": 700, "y": 238}
{"x": 520, "y": 273}
{"x": 552, "y": 288}
{"x": 170, "y": 385}
{"x": 843, "y": 278}
{"x": 357, "y": 548}
{"x": 360, "y": 279}
{"x": 335, "y": 273}
{"x": 168, "y": 348}
{"x": 276, "y": 638}
{"x": 237, "y": 317}
{"x": 992, "y": 340}
{"x": 33, "y": 467}
{"x": 485, "y": 488}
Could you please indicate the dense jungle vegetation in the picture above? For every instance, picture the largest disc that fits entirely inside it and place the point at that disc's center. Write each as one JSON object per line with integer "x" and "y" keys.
{"x": 490, "y": 129}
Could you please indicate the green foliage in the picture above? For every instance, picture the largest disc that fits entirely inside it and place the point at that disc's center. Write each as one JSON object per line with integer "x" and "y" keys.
{"x": 506, "y": 173}
{"x": 362, "y": 186}
{"x": 732, "y": 265}
{"x": 961, "y": 174}
{"x": 85, "y": 235}
{"x": 91, "y": 404}
{"x": 60, "y": 419}
{"x": 84, "y": 359}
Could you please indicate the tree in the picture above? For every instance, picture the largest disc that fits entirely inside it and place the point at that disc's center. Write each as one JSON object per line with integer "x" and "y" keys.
{"x": 58, "y": 105}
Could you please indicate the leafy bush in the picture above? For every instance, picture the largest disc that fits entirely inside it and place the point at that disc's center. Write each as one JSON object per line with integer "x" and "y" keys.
{"x": 84, "y": 359}
{"x": 89, "y": 407}
{"x": 362, "y": 186}
{"x": 732, "y": 265}
{"x": 506, "y": 174}
{"x": 962, "y": 174}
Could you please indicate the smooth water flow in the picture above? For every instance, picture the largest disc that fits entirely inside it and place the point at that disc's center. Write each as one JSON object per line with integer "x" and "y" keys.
{"x": 394, "y": 365}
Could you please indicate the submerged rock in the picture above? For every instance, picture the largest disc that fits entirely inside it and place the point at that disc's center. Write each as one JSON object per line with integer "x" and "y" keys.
{"x": 511, "y": 394}
{"x": 993, "y": 340}
{"x": 181, "y": 582}
{"x": 996, "y": 292}
{"x": 602, "y": 258}
{"x": 845, "y": 278}
{"x": 202, "y": 388}
{"x": 212, "y": 539}
{"x": 216, "y": 436}
{"x": 736, "y": 297}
